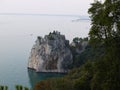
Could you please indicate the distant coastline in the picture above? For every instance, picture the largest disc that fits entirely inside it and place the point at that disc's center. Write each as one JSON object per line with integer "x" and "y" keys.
{"x": 78, "y": 20}
{"x": 34, "y": 14}
{"x": 79, "y": 17}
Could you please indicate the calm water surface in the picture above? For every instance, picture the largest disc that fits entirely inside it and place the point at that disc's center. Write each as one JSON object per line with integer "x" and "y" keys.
{"x": 18, "y": 34}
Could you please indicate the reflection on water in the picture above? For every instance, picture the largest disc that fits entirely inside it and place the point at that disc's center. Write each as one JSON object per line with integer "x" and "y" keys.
{"x": 35, "y": 77}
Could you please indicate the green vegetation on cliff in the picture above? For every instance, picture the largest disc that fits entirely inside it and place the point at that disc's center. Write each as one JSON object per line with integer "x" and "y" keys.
{"x": 88, "y": 53}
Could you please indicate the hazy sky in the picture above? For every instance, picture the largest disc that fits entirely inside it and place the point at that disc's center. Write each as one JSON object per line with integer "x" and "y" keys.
{"x": 77, "y": 7}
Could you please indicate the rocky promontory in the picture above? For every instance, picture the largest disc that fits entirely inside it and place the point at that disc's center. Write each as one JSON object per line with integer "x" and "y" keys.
{"x": 50, "y": 54}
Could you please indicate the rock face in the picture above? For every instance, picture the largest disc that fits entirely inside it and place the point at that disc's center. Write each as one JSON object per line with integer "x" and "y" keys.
{"x": 50, "y": 54}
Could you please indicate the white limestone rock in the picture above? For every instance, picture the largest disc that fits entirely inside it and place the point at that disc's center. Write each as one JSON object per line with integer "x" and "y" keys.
{"x": 50, "y": 54}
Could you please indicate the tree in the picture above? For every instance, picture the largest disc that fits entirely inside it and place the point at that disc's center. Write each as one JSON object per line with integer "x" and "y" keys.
{"x": 106, "y": 30}
{"x": 105, "y": 19}
{"x": 76, "y": 40}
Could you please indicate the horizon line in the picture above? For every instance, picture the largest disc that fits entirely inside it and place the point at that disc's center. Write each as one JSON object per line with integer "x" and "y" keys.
{"x": 70, "y": 15}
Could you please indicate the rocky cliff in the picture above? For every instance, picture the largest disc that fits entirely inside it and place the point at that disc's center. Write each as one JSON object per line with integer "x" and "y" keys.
{"x": 50, "y": 54}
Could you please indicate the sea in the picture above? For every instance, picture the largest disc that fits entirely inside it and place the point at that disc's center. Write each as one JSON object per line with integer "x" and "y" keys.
{"x": 18, "y": 33}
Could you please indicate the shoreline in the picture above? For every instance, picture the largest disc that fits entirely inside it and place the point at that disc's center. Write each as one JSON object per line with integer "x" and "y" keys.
{"x": 47, "y": 71}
